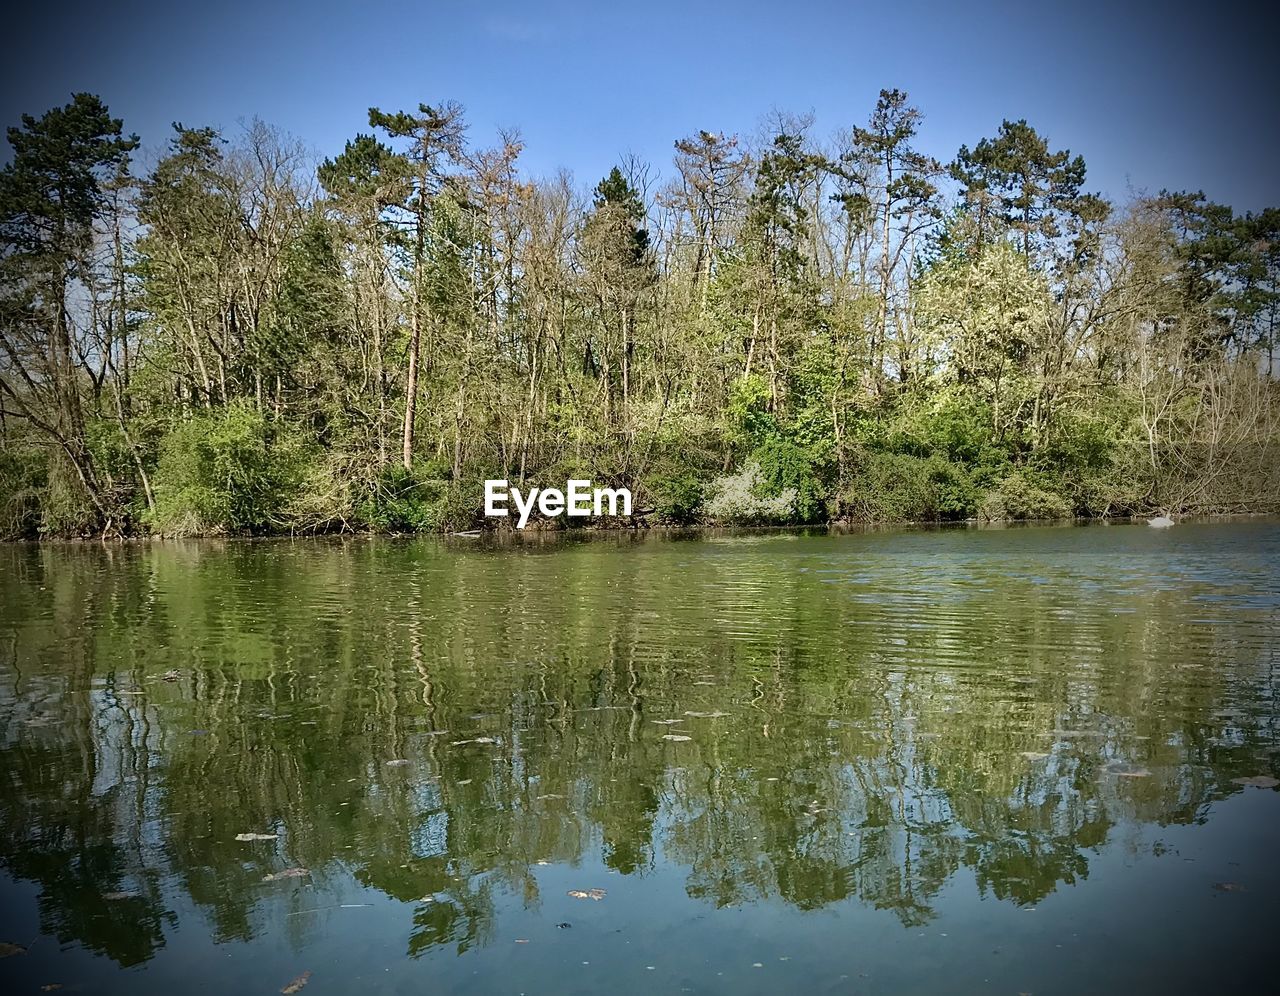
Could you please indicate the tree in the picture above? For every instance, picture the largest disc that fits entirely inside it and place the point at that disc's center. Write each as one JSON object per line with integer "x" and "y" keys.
{"x": 886, "y": 182}
{"x": 51, "y": 195}
{"x": 1015, "y": 177}
{"x": 435, "y": 137}
{"x": 619, "y": 268}
{"x": 712, "y": 172}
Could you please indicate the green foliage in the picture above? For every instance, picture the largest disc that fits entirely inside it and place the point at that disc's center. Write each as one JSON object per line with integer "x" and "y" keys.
{"x": 1023, "y": 495}
{"x": 677, "y": 496}
{"x": 900, "y": 487}
{"x": 24, "y": 477}
{"x": 785, "y": 467}
{"x": 747, "y": 412}
{"x": 224, "y": 471}
{"x": 420, "y": 500}
{"x": 259, "y": 339}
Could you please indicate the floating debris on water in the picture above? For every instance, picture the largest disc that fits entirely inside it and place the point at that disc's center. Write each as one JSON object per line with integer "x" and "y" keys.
{"x": 257, "y": 836}
{"x": 677, "y": 737}
{"x": 596, "y": 894}
{"x": 287, "y": 873}
{"x": 1123, "y": 770}
{"x": 297, "y": 984}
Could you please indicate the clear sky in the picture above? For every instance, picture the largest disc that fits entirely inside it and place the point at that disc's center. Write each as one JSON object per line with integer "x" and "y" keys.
{"x": 1152, "y": 94}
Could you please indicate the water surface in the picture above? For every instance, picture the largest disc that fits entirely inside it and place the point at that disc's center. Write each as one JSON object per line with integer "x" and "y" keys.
{"x": 965, "y": 761}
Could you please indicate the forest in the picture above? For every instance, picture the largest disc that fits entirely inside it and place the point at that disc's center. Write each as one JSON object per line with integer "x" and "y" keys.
{"x": 795, "y": 326}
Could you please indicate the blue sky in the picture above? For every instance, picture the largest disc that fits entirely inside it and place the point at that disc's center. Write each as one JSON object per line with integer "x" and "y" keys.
{"x": 1153, "y": 95}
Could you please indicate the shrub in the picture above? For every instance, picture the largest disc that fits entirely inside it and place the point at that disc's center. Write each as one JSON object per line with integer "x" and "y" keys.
{"x": 741, "y": 499}
{"x": 1019, "y": 496}
{"x": 750, "y": 420}
{"x": 223, "y": 471}
{"x": 677, "y": 496}
{"x": 23, "y": 480}
{"x": 786, "y": 467}
{"x": 898, "y": 487}
{"x": 420, "y": 500}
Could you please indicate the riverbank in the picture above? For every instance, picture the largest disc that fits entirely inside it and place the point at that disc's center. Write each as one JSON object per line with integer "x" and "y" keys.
{"x": 543, "y": 531}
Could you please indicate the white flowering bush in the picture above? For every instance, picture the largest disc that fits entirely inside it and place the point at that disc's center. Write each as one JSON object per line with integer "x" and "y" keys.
{"x": 736, "y": 498}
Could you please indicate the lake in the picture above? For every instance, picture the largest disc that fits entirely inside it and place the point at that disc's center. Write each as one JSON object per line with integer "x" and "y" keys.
{"x": 1022, "y": 760}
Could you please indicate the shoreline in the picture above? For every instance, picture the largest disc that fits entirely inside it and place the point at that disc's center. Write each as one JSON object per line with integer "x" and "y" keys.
{"x": 693, "y": 531}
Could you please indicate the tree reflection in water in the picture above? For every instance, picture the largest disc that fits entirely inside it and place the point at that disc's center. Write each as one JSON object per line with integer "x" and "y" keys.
{"x": 868, "y": 718}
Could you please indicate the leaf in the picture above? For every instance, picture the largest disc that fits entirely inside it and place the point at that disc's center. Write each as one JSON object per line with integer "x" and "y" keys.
{"x": 297, "y": 984}
{"x": 677, "y": 737}
{"x": 257, "y": 836}
{"x": 1257, "y": 781}
{"x": 7, "y": 950}
{"x": 287, "y": 873}
{"x": 596, "y": 894}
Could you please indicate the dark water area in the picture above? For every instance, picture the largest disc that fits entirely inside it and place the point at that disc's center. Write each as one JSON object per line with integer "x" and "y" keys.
{"x": 1034, "y": 760}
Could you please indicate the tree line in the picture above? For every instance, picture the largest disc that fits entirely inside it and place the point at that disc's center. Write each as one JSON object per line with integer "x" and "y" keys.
{"x": 787, "y": 328}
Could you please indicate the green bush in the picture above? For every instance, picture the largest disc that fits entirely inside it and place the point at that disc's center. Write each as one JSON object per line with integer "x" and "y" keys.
{"x": 750, "y": 420}
{"x": 784, "y": 466}
{"x": 223, "y": 471}
{"x": 421, "y": 500}
{"x": 677, "y": 496}
{"x": 899, "y": 487}
{"x": 24, "y": 479}
{"x": 1022, "y": 496}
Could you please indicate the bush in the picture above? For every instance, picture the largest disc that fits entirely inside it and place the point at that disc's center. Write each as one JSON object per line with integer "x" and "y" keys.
{"x": 420, "y": 500}
{"x": 786, "y": 467}
{"x": 677, "y": 497}
{"x": 23, "y": 480}
{"x": 223, "y": 471}
{"x": 898, "y": 487}
{"x": 750, "y": 421}
{"x": 741, "y": 499}
{"x": 1020, "y": 496}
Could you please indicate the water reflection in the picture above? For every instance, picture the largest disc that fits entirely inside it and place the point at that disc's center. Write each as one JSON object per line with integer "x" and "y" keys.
{"x": 796, "y": 719}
